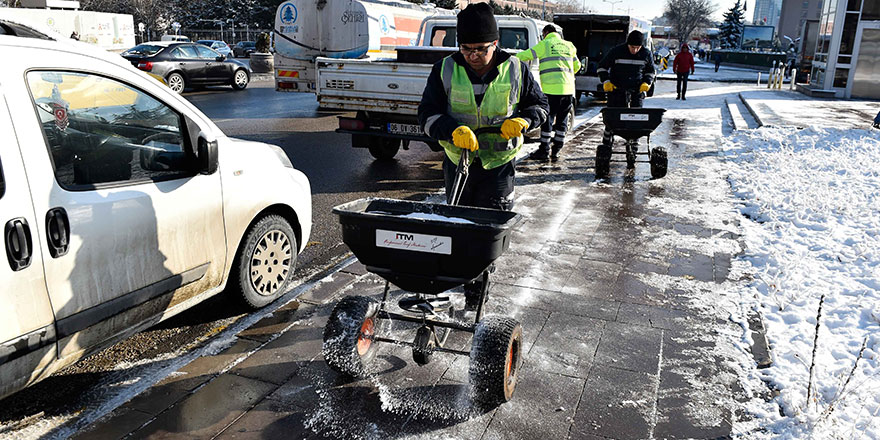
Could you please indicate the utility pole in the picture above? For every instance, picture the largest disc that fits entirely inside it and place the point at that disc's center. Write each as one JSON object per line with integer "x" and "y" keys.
{"x": 613, "y": 2}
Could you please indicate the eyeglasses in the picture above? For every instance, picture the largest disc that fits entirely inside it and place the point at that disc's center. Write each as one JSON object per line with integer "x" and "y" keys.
{"x": 468, "y": 51}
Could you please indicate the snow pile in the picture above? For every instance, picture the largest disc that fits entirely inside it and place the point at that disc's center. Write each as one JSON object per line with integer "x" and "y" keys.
{"x": 811, "y": 201}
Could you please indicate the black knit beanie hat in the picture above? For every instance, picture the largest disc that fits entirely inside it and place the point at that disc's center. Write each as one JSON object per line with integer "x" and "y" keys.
{"x": 476, "y": 24}
{"x": 635, "y": 38}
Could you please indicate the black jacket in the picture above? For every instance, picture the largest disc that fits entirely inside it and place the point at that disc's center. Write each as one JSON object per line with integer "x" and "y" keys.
{"x": 625, "y": 70}
{"x": 532, "y": 104}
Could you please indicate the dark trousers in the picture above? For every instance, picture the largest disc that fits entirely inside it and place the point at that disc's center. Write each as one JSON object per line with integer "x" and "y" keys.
{"x": 484, "y": 188}
{"x": 630, "y": 98}
{"x": 557, "y": 121}
{"x": 681, "y": 84}
{"x": 717, "y": 63}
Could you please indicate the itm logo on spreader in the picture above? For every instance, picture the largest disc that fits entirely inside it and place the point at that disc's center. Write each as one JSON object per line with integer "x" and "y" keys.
{"x": 401, "y": 236}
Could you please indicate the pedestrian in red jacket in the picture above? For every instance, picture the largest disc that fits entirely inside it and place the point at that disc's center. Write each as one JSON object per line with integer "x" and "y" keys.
{"x": 683, "y": 65}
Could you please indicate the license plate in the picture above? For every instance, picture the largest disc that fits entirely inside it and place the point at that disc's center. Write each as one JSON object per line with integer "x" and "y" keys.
{"x": 633, "y": 117}
{"x": 412, "y": 129}
{"x": 434, "y": 244}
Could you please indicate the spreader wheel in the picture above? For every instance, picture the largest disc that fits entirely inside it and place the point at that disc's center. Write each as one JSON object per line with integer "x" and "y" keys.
{"x": 348, "y": 335}
{"x": 603, "y": 161}
{"x": 496, "y": 357}
{"x": 658, "y": 162}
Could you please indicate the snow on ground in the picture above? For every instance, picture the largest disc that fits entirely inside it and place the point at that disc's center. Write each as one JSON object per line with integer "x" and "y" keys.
{"x": 811, "y": 228}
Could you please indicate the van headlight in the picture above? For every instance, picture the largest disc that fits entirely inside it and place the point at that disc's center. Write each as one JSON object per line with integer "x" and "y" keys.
{"x": 282, "y": 156}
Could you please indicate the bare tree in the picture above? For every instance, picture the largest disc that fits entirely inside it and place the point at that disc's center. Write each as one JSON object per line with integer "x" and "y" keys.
{"x": 687, "y": 16}
{"x": 563, "y": 6}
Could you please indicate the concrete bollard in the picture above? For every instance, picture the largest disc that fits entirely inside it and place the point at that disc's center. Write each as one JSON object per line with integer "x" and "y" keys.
{"x": 759, "y": 79}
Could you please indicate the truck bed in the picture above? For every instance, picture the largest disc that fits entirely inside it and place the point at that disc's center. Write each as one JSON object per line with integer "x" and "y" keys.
{"x": 371, "y": 85}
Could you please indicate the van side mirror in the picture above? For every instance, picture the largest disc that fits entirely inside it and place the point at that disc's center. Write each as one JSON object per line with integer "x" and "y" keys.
{"x": 206, "y": 154}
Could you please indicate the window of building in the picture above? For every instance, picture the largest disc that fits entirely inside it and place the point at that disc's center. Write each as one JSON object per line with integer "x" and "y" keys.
{"x": 100, "y": 131}
{"x": 840, "y": 77}
{"x": 844, "y": 59}
{"x": 871, "y": 10}
{"x": 848, "y": 38}
{"x": 854, "y": 5}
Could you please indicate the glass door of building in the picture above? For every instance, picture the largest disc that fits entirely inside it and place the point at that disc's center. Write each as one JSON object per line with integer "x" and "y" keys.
{"x": 867, "y": 69}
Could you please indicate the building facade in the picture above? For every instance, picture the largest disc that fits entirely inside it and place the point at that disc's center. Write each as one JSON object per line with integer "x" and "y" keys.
{"x": 538, "y": 6}
{"x": 792, "y": 17}
{"x": 847, "y": 58}
{"x": 766, "y": 12}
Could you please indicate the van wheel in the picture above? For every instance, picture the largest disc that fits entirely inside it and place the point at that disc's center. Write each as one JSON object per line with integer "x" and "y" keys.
{"x": 240, "y": 79}
{"x": 176, "y": 82}
{"x": 384, "y": 148}
{"x": 264, "y": 266}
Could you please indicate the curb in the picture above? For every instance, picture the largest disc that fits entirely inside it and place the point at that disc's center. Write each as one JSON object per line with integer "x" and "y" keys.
{"x": 751, "y": 110}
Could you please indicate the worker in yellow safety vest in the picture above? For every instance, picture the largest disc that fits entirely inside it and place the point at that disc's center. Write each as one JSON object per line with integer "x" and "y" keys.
{"x": 480, "y": 86}
{"x": 558, "y": 63}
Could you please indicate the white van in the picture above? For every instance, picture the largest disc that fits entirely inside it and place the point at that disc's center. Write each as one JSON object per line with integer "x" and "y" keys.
{"x": 121, "y": 205}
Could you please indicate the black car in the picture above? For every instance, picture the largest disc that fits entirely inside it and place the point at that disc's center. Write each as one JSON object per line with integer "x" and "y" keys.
{"x": 244, "y": 49}
{"x": 184, "y": 65}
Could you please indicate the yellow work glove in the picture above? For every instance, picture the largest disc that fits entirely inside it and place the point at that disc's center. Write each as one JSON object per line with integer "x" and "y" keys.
{"x": 644, "y": 88}
{"x": 513, "y": 127}
{"x": 464, "y": 137}
{"x": 608, "y": 87}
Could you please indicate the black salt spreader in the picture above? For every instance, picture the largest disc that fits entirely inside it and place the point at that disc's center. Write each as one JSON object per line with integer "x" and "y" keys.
{"x": 426, "y": 249}
{"x": 632, "y": 124}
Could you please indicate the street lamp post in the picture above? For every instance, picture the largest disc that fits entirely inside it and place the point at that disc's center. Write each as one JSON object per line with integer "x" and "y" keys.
{"x": 233, "y": 29}
{"x": 613, "y": 2}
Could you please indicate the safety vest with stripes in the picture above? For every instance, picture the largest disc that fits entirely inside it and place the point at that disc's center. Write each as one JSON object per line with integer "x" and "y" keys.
{"x": 499, "y": 102}
{"x": 557, "y": 66}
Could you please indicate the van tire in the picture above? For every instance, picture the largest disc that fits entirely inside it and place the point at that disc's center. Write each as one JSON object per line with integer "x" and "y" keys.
{"x": 264, "y": 265}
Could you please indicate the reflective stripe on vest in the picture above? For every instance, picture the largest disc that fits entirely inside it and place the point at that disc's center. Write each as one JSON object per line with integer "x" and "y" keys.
{"x": 499, "y": 103}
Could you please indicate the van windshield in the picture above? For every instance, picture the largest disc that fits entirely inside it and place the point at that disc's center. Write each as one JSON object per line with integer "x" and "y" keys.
{"x": 510, "y": 38}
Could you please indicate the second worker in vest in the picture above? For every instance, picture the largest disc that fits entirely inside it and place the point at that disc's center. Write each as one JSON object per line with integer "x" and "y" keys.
{"x": 481, "y": 86}
{"x": 558, "y": 64}
{"x": 627, "y": 73}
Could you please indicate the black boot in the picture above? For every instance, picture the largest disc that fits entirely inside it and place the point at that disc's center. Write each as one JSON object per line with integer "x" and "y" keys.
{"x": 540, "y": 153}
{"x": 554, "y": 152}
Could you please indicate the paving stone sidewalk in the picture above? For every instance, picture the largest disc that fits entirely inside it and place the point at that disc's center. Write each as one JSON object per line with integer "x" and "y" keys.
{"x": 618, "y": 286}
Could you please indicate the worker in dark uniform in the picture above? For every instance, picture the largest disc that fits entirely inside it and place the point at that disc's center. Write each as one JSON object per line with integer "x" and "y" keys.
{"x": 627, "y": 73}
{"x": 481, "y": 86}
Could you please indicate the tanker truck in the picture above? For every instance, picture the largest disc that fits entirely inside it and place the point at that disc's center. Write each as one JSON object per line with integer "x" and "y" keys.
{"x": 373, "y": 58}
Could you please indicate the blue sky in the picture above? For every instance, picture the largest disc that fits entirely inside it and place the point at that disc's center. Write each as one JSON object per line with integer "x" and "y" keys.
{"x": 653, "y": 8}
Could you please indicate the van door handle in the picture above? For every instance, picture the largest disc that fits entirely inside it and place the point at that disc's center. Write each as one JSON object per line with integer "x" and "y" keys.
{"x": 17, "y": 235}
{"x": 57, "y": 232}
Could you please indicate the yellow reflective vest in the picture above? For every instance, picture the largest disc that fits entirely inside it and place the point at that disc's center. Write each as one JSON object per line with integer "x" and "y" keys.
{"x": 499, "y": 103}
{"x": 557, "y": 66}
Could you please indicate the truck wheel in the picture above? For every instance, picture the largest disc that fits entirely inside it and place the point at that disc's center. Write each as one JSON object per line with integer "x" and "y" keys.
{"x": 265, "y": 263}
{"x": 658, "y": 162}
{"x": 603, "y": 161}
{"x": 384, "y": 148}
{"x": 496, "y": 357}
{"x": 348, "y": 335}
